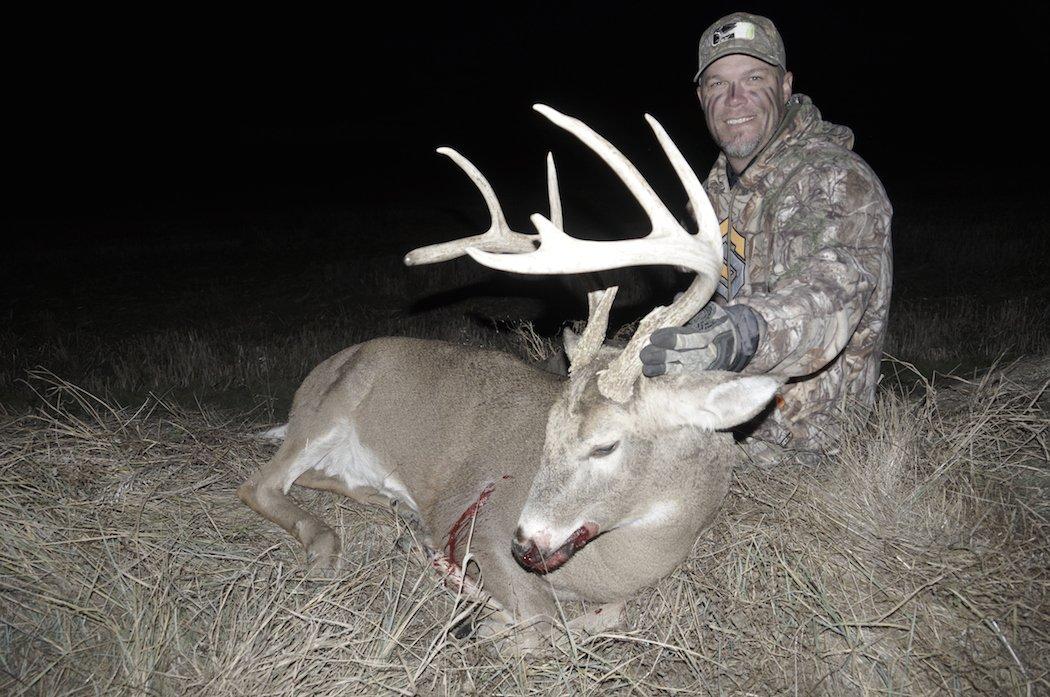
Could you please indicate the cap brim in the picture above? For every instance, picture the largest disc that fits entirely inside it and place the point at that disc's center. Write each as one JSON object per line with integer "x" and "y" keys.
{"x": 734, "y": 52}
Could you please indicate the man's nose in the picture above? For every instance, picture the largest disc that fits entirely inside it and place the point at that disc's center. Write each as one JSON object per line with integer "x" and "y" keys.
{"x": 736, "y": 94}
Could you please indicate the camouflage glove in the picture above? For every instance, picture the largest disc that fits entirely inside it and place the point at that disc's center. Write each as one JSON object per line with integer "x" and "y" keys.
{"x": 717, "y": 338}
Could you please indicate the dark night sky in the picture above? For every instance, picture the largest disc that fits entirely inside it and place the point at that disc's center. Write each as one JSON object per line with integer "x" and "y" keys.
{"x": 147, "y": 117}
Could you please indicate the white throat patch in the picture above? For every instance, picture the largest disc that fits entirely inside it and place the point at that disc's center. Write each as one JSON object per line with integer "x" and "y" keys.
{"x": 657, "y": 514}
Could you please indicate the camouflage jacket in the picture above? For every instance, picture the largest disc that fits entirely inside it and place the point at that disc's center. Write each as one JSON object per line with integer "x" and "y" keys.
{"x": 807, "y": 238}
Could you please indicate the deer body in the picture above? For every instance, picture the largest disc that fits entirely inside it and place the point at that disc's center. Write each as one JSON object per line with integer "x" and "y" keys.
{"x": 437, "y": 428}
{"x": 589, "y": 487}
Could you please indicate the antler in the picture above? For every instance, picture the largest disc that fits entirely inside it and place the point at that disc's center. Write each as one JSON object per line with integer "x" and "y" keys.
{"x": 667, "y": 243}
{"x": 590, "y": 341}
{"x": 499, "y": 237}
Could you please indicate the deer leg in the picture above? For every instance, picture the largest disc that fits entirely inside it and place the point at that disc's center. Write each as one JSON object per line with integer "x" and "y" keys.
{"x": 316, "y": 479}
{"x": 264, "y": 494}
{"x": 523, "y": 620}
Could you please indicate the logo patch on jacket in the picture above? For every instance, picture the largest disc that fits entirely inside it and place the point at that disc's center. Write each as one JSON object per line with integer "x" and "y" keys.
{"x": 734, "y": 268}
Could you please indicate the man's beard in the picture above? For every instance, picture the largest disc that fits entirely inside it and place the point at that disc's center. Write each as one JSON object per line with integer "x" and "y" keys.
{"x": 740, "y": 148}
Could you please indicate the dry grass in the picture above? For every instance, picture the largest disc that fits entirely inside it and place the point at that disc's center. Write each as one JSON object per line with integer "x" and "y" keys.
{"x": 962, "y": 329}
{"x": 267, "y": 358}
{"x": 915, "y": 562}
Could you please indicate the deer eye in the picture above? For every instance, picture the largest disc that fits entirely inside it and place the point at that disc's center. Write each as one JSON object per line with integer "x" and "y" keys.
{"x": 605, "y": 450}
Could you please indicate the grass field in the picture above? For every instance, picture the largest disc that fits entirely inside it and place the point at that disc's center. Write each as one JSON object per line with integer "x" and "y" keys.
{"x": 132, "y": 370}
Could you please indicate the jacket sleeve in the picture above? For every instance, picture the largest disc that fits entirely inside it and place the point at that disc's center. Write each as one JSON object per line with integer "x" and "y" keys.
{"x": 831, "y": 248}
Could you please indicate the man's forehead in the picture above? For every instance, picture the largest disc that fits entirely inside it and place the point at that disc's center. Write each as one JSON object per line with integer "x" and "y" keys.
{"x": 736, "y": 64}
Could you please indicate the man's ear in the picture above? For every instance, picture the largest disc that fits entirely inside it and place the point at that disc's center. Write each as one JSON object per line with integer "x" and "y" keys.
{"x": 729, "y": 403}
{"x": 786, "y": 84}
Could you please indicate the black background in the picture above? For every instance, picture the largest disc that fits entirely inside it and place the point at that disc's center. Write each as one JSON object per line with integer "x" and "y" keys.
{"x": 123, "y": 118}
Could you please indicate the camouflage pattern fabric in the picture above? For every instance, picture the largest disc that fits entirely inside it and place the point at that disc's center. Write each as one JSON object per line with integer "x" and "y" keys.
{"x": 807, "y": 238}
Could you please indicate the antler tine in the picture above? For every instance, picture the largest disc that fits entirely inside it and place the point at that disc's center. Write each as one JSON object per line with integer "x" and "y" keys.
{"x": 599, "y": 303}
{"x": 553, "y": 194}
{"x": 694, "y": 190}
{"x": 662, "y": 220}
{"x": 499, "y": 236}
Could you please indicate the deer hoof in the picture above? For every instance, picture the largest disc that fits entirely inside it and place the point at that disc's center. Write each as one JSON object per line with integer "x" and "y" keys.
{"x": 323, "y": 554}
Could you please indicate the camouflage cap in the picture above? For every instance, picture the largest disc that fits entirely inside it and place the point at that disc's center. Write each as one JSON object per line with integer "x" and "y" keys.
{"x": 745, "y": 33}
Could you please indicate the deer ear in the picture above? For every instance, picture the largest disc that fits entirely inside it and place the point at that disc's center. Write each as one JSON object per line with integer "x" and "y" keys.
{"x": 728, "y": 403}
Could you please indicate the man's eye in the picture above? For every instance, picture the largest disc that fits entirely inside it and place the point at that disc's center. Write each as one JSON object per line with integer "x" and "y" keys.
{"x": 605, "y": 450}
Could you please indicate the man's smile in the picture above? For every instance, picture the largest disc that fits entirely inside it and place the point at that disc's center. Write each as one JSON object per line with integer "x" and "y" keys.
{"x": 739, "y": 120}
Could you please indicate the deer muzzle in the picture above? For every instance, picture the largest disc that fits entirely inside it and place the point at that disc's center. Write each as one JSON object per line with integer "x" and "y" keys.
{"x": 542, "y": 559}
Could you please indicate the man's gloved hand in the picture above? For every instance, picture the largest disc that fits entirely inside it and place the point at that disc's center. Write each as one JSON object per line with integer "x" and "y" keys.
{"x": 716, "y": 338}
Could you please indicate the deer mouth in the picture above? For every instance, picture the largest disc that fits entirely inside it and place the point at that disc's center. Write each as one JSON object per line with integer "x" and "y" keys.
{"x": 533, "y": 559}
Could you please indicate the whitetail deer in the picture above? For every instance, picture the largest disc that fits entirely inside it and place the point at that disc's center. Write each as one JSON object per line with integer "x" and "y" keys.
{"x": 590, "y": 487}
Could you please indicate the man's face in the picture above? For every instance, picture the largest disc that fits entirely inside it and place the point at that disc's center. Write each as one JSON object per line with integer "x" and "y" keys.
{"x": 743, "y": 99}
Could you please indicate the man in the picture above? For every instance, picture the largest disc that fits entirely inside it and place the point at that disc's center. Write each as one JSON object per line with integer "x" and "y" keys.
{"x": 805, "y": 288}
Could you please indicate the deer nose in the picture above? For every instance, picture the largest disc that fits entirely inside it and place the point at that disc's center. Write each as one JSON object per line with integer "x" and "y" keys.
{"x": 527, "y": 554}
{"x": 538, "y": 537}
{"x": 524, "y": 548}
{"x": 521, "y": 550}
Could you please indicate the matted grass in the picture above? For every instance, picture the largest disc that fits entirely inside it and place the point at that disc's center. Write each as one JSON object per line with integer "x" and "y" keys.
{"x": 914, "y": 562}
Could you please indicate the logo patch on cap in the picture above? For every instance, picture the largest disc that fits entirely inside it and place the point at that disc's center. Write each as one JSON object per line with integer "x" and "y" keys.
{"x": 736, "y": 30}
